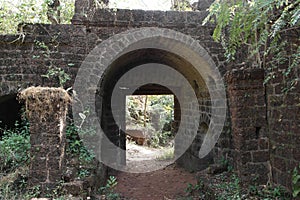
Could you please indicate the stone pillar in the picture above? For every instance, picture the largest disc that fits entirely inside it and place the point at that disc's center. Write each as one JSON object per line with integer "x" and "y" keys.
{"x": 46, "y": 110}
{"x": 248, "y": 113}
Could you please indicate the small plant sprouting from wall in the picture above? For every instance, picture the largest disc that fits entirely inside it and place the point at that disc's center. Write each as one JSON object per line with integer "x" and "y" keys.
{"x": 53, "y": 72}
{"x": 296, "y": 182}
{"x": 62, "y": 76}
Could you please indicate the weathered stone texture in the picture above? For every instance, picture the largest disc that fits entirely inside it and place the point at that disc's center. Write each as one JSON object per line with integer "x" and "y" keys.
{"x": 261, "y": 134}
{"x": 248, "y": 116}
{"x": 284, "y": 118}
{"x": 46, "y": 110}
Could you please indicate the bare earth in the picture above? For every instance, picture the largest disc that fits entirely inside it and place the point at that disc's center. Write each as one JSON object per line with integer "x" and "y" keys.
{"x": 167, "y": 183}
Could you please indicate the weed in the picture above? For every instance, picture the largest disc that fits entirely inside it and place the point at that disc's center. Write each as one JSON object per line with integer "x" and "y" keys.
{"x": 14, "y": 147}
{"x": 53, "y": 71}
{"x": 226, "y": 164}
{"x": 108, "y": 189}
{"x": 192, "y": 188}
{"x": 168, "y": 154}
{"x": 83, "y": 173}
{"x": 76, "y": 146}
{"x": 62, "y": 76}
{"x": 199, "y": 191}
{"x": 296, "y": 182}
{"x": 231, "y": 189}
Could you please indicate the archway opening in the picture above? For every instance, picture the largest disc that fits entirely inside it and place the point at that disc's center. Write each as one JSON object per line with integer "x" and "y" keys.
{"x": 152, "y": 118}
{"x": 10, "y": 112}
{"x": 116, "y": 131}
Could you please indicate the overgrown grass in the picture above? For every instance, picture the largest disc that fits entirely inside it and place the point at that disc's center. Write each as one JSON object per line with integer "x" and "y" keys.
{"x": 15, "y": 160}
{"x": 168, "y": 154}
{"x": 76, "y": 148}
{"x": 14, "y": 147}
{"x": 227, "y": 186}
{"x": 14, "y": 163}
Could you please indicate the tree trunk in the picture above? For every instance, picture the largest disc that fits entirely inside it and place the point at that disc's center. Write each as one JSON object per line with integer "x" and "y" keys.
{"x": 145, "y": 109}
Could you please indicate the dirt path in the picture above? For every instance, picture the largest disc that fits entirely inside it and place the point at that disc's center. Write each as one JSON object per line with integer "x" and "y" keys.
{"x": 169, "y": 182}
{"x": 140, "y": 159}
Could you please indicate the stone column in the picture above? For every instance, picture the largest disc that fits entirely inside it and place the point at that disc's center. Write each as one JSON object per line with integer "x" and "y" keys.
{"x": 248, "y": 116}
{"x": 46, "y": 110}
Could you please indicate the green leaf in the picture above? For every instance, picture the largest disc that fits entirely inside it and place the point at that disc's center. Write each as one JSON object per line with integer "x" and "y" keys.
{"x": 71, "y": 64}
{"x": 296, "y": 192}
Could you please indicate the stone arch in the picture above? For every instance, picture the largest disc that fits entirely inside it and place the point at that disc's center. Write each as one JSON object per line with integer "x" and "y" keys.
{"x": 104, "y": 59}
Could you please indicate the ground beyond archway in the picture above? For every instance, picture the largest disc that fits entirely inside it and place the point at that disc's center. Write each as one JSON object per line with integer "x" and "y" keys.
{"x": 167, "y": 183}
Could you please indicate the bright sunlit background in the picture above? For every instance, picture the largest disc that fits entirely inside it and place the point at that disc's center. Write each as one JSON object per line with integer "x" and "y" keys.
{"x": 143, "y": 4}
{"x": 15, "y": 12}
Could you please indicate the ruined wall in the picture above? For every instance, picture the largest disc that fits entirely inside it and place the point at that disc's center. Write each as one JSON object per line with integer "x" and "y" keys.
{"x": 23, "y": 61}
{"x": 46, "y": 110}
{"x": 249, "y": 124}
{"x": 284, "y": 118}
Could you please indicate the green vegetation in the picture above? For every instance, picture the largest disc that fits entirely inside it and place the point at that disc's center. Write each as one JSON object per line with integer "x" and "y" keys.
{"x": 108, "y": 190}
{"x": 200, "y": 190}
{"x": 15, "y": 13}
{"x": 181, "y": 5}
{"x": 168, "y": 154}
{"x": 296, "y": 182}
{"x": 76, "y": 148}
{"x": 260, "y": 28}
{"x": 154, "y": 114}
{"x": 53, "y": 72}
{"x": 228, "y": 186}
{"x": 268, "y": 192}
{"x": 14, "y": 147}
{"x": 14, "y": 163}
{"x": 15, "y": 158}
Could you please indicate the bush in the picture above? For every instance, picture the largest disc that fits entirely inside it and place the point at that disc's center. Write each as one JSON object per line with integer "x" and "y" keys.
{"x": 14, "y": 147}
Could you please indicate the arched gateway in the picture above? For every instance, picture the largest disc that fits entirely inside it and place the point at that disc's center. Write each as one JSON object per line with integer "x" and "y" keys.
{"x": 147, "y": 56}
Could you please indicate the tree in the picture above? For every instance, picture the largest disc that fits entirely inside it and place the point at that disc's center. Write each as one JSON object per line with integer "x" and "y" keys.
{"x": 13, "y": 13}
{"x": 53, "y": 11}
{"x": 259, "y": 26}
{"x": 181, "y": 5}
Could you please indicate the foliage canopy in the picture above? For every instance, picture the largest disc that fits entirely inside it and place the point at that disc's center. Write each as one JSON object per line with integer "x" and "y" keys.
{"x": 260, "y": 26}
{"x": 13, "y": 13}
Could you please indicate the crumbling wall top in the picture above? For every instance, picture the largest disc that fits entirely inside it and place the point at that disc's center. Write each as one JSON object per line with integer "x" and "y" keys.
{"x": 86, "y": 12}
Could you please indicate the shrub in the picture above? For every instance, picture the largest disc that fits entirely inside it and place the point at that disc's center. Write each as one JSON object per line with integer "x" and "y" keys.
{"x": 14, "y": 147}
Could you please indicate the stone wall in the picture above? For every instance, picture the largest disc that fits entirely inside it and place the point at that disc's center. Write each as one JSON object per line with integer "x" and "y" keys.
{"x": 24, "y": 62}
{"x": 249, "y": 124}
{"x": 263, "y": 124}
{"x": 284, "y": 118}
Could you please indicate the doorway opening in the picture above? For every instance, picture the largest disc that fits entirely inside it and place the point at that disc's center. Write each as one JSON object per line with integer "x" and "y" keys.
{"x": 152, "y": 115}
{"x": 10, "y": 112}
